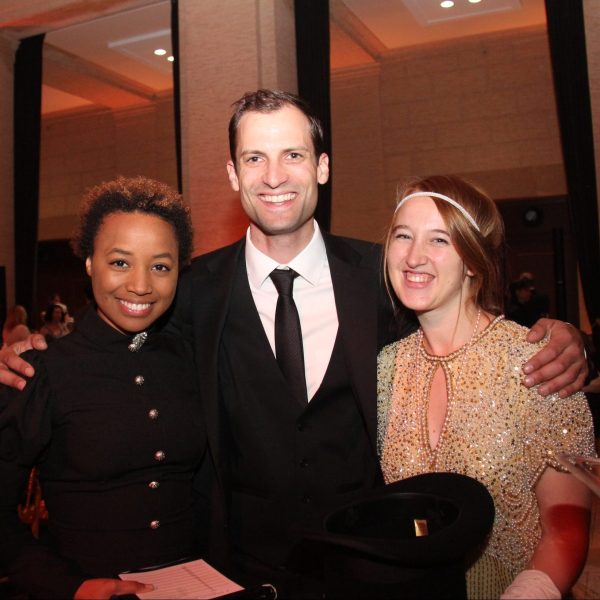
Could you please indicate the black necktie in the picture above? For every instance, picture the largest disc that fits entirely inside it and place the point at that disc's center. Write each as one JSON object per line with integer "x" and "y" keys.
{"x": 288, "y": 334}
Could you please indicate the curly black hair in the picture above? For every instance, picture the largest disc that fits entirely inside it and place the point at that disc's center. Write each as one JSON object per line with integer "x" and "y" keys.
{"x": 129, "y": 195}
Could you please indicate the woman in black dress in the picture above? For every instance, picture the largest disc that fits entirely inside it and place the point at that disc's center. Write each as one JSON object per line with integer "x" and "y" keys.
{"x": 111, "y": 416}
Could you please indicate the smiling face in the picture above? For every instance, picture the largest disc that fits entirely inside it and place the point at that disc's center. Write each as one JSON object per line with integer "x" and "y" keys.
{"x": 423, "y": 266}
{"x": 277, "y": 175}
{"x": 133, "y": 269}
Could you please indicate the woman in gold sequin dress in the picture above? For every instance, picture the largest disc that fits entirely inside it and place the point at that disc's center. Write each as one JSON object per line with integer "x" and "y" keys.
{"x": 450, "y": 396}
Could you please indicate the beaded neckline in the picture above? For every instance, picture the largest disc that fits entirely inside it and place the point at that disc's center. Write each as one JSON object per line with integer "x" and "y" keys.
{"x": 453, "y": 355}
{"x": 453, "y": 383}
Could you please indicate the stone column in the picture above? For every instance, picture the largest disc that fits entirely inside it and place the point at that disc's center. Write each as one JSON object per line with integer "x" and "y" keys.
{"x": 227, "y": 47}
{"x": 591, "y": 14}
{"x": 7, "y": 247}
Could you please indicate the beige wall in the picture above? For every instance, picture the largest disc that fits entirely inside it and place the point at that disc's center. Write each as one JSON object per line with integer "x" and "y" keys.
{"x": 259, "y": 52}
{"x": 84, "y": 149}
{"x": 482, "y": 107}
{"x": 591, "y": 10}
{"x": 359, "y": 204}
{"x": 592, "y": 37}
{"x": 244, "y": 44}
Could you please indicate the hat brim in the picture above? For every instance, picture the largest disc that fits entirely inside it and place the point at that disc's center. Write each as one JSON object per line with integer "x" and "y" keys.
{"x": 458, "y": 510}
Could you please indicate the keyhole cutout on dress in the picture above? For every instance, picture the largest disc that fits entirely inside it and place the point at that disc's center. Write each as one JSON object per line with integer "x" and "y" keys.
{"x": 437, "y": 408}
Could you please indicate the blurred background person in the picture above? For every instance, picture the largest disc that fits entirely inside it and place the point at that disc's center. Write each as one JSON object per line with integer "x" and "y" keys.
{"x": 526, "y": 305}
{"x": 15, "y": 327}
{"x": 54, "y": 322}
{"x": 56, "y": 299}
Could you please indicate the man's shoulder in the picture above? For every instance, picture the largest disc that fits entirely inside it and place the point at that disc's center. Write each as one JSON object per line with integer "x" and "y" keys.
{"x": 220, "y": 255}
{"x": 364, "y": 245}
{"x": 360, "y": 251}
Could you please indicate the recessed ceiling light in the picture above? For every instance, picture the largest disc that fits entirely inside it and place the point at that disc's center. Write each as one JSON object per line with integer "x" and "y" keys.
{"x": 170, "y": 58}
{"x": 474, "y": 1}
{"x": 160, "y": 52}
{"x": 447, "y": 4}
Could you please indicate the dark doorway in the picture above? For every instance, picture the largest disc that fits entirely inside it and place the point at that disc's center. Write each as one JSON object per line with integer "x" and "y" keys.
{"x": 59, "y": 271}
{"x": 540, "y": 241}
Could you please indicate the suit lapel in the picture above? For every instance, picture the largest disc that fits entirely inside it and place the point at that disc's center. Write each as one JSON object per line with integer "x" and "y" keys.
{"x": 242, "y": 304}
{"x": 356, "y": 304}
{"x": 212, "y": 286}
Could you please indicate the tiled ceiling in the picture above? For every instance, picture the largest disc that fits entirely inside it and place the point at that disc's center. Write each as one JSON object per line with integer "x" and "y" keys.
{"x": 116, "y": 51}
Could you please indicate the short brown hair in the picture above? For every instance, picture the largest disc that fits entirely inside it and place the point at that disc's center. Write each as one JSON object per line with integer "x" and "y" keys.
{"x": 266, "y": 101}
{"x": 481, "y": 251}
{"x": 129, "y": 195}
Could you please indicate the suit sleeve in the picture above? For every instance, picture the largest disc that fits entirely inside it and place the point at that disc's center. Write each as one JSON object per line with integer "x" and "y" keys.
{"x": 25, "y": 431}
{"x": 179, "y": 321}
{"x": 394, "y": 321}
{"x": 554, "y": 425}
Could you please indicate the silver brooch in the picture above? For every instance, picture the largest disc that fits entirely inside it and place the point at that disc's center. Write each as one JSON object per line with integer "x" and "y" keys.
{"x": 138, "y": 341}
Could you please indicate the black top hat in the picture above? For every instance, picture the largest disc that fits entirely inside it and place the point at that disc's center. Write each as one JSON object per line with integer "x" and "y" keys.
{"x": 417, "y": 532}
{"x": 429, "y": 518}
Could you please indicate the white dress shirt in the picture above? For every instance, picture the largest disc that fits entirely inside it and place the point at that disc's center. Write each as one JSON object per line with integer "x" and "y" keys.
{"x": 313, "y": 295}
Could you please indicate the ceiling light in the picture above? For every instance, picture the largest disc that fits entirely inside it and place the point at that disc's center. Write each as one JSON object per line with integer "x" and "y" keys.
{"x": 170, "y": 58}
{"x": 160, "y": 52}
{"x": 447, "y": 4}
{"x": 474, "y": 1}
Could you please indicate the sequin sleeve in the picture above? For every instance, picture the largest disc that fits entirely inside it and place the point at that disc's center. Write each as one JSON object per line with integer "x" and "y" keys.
{"x": 551, "y": 424}
{"x": 386, "y": 362}
{"x": 556, "y": 425}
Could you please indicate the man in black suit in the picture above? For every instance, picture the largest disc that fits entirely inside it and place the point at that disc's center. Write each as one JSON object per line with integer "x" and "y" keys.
{"x": 279, "y": 460}
{"x": 275, "y": 459}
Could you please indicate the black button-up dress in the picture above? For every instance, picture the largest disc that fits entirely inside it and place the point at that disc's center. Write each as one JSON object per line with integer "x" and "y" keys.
{"x": 117, "y": 433}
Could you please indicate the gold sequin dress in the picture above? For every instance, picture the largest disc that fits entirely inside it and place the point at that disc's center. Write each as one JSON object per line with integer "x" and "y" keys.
{"x": 496, "y": 431}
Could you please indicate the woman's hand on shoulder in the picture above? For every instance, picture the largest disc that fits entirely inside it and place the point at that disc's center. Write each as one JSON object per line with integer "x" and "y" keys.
{"x": 560, "y": 366}
{"x": 102, "y": 589}
{"x": 12, "y": 366}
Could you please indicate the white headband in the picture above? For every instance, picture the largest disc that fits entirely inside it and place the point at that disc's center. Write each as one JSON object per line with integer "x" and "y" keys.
{"x": 441, "y": 197}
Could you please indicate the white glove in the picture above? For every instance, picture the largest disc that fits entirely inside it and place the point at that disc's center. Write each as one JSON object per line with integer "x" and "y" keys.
{"x": 532, "y": 583}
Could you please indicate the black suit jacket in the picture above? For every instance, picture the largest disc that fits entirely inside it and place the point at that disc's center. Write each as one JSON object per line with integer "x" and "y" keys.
{"x": 202, "y": 305}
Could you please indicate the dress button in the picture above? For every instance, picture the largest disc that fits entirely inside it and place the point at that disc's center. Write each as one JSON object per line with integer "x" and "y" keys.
{"x": 300, "y": 426}
{"x": 303, "y": 463}
{"x": 153, "y": 485}
{"x": 139, "y": 380}
{"x": 153, "y": 413}
{"x": 154, "y": 524}
{"x": 159, "y": 455}
{"x": 306, "y": 499}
